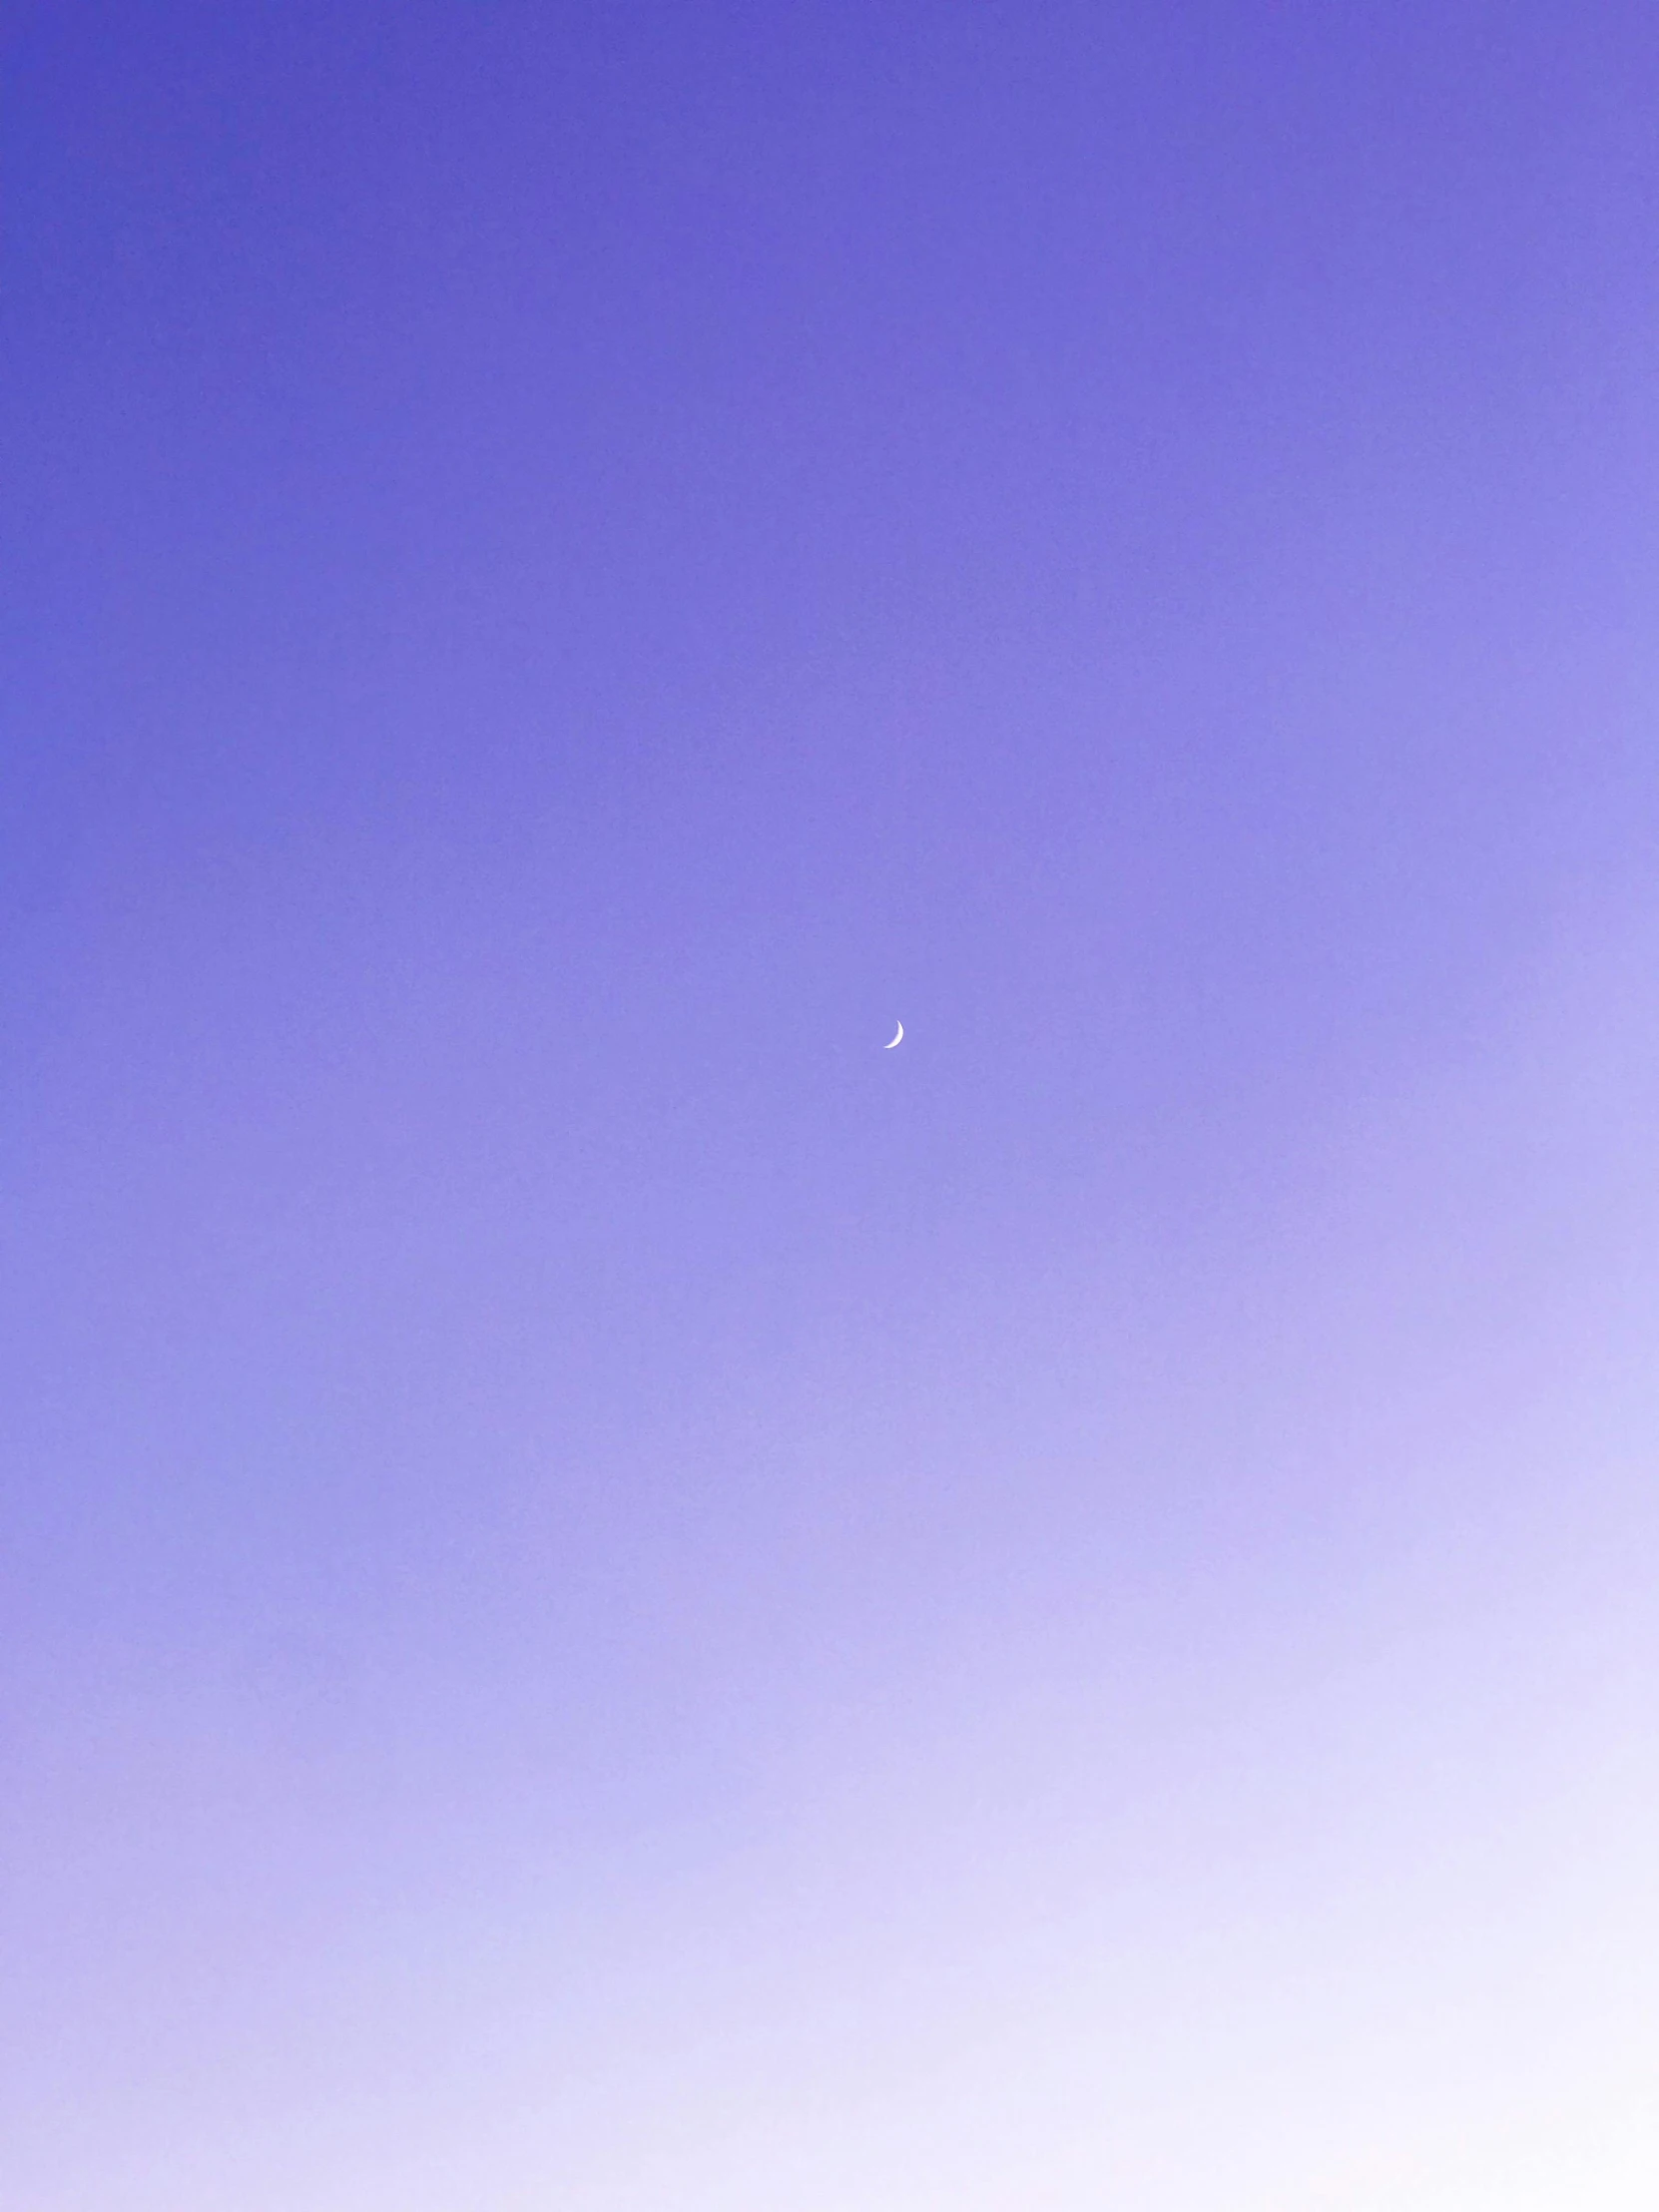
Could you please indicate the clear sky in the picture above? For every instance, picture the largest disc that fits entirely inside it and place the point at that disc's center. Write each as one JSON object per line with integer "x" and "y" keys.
{"x": 612, "y": 1597}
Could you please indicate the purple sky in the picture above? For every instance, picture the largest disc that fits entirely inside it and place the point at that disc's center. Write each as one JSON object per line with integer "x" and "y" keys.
{"x": 611, "y": 1597}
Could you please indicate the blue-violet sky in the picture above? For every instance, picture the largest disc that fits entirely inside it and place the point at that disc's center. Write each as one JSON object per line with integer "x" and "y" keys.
{"x": 612, "y": 1597}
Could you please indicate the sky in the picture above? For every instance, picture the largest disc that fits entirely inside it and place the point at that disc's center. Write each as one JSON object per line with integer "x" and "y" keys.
{"x": 612, "y": 1596}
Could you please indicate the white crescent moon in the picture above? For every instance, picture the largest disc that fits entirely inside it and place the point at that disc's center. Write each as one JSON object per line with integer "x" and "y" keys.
{"x": 897, "y": 1039}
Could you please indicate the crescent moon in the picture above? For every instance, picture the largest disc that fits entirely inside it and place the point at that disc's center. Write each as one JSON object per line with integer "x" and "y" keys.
{"x": 897, "y": 1039}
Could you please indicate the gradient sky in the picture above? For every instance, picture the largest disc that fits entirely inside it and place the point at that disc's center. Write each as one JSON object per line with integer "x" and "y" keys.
{"x": 611, "y": 1597}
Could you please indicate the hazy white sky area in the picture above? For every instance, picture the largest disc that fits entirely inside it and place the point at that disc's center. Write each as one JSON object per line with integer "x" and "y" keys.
{"x": 1314, "y": 1872}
